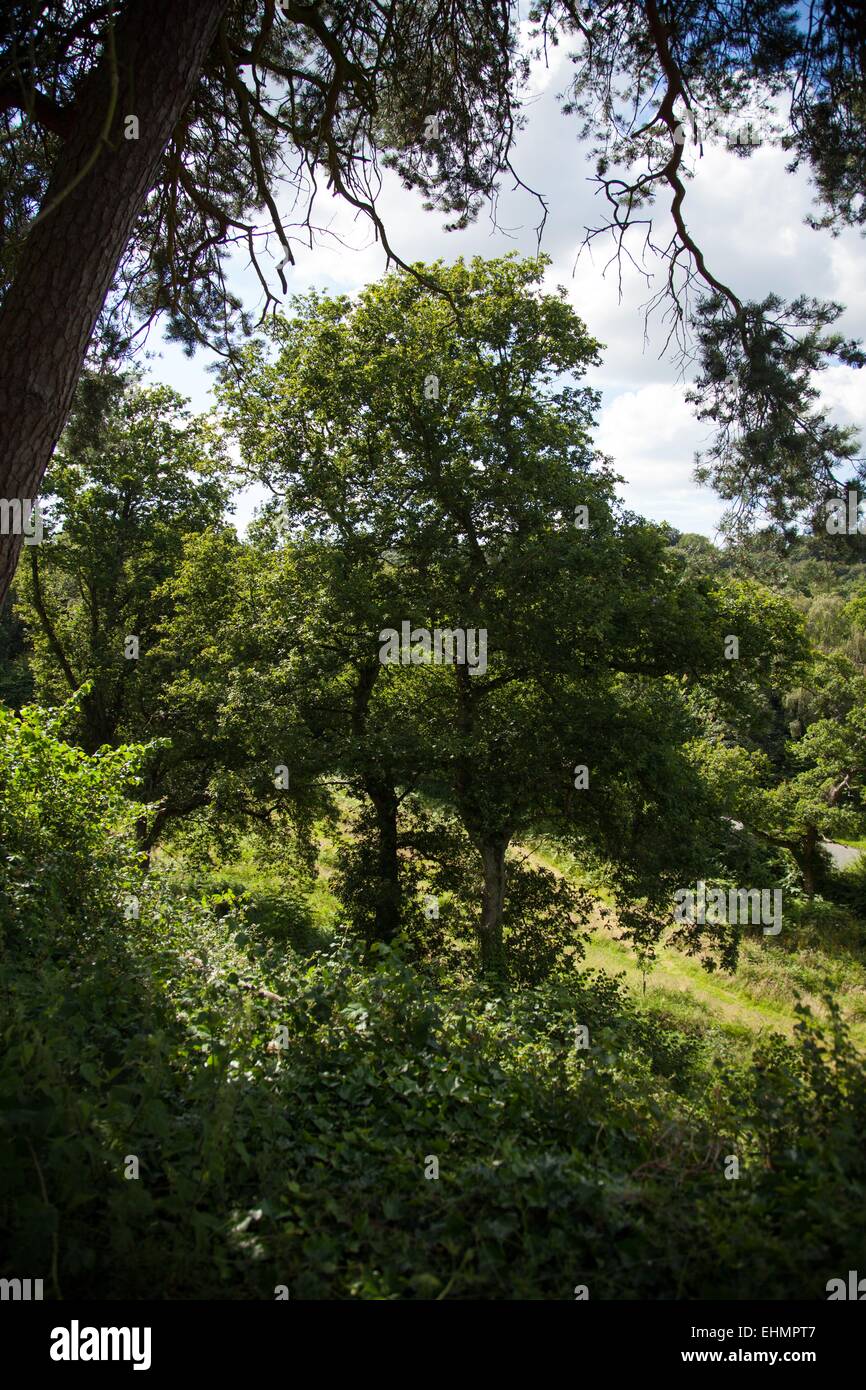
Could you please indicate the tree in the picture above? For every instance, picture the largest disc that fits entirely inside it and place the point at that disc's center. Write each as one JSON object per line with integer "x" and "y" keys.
{"x": 369, "y": 427}
{"x": 133, "y": 475}
{"x": 90, "y": 187}
{"x": 432, "y": 443}
{"x": 142, "y": 137}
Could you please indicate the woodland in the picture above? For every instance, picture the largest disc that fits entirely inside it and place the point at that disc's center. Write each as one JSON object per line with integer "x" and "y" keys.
{"x": 448, "y": 886}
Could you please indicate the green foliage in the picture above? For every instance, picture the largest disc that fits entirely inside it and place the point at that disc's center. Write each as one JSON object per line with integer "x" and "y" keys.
{"x": 775, "y": 451}
{"x": 133, "y": 475}
{"x": 16, "y": 678}
{"x": 64, "y": 825}
{"x": 300, "y": 1159}
{"x": 284, "y": 1096}
{"x": 542, "y": 922}
{"x": 306, "y": 1166}
{"x": 813, "y": 785}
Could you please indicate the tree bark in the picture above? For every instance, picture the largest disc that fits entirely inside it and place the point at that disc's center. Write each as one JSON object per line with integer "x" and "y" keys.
{"x": 807, "y": 860}
{"x": 492, "y": 904}
{"x": 98, "y": 187}
{"x": 148, "y": 836}
{"x": 387, "y": 882}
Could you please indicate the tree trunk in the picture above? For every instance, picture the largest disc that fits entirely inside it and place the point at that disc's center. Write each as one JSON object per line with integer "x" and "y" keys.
{"x": 97, "y": 189}
{"x": 808, "y": 861}
{"x": 388, "y": 916}
{"x": 492, "y": 904}
{"x": 148, "y": 836}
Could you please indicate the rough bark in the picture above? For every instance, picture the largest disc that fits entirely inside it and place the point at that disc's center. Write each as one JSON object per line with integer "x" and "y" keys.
{"x": 98, "y": 187}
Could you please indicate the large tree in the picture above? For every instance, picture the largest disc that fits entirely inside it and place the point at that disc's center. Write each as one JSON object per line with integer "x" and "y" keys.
{"x": 437, "y": 450}
{"x": 142, "y": 139}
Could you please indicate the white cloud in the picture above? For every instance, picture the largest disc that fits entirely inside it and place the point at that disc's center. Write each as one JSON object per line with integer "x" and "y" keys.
{"x": 842, "y": 391}
{"x": 652, "y": 435}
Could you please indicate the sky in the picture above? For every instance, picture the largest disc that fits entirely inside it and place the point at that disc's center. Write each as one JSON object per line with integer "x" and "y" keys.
{"x": 748, "y": 215}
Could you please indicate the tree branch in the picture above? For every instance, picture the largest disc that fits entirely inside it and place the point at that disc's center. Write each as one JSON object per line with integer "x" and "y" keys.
{"x": 47, "y": 626}
{"x": 40, "y": 108}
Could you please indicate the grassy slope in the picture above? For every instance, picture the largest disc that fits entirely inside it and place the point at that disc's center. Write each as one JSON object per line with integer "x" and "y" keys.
{"x": 759, "y": 997}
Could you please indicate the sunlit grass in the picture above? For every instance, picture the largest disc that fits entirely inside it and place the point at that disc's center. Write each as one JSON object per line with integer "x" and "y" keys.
{"x": 823, "y": 951}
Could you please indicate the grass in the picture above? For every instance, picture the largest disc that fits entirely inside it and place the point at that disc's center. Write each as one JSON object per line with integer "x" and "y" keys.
{"x": 301, "y": 915}
{"x": 814, "y": 956}
{"x": 676, "y": 975}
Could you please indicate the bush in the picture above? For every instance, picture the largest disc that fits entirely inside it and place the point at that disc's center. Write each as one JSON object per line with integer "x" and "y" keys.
{"x": 359, "y": 1125}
